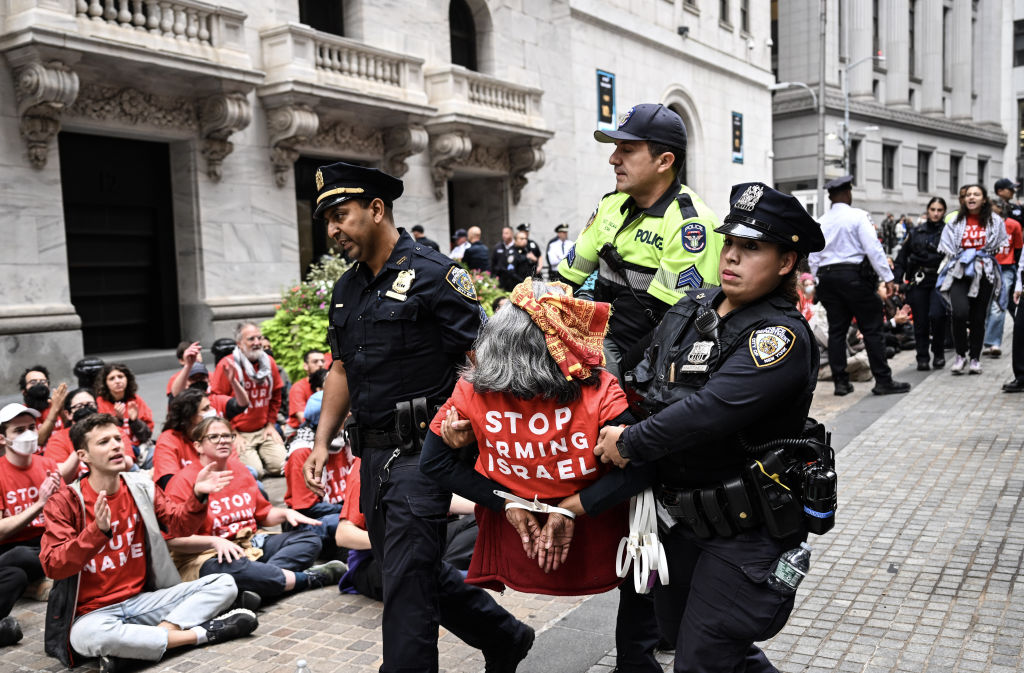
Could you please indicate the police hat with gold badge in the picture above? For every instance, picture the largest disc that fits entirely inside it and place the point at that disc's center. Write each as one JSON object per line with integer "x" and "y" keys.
{"x": 765, "y": 214}
{"x": 340, "y": 182}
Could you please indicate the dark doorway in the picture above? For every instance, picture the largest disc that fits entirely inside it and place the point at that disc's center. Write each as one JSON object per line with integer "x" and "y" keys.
{"x": 120, "y": 241}
{"x": 462, "y": 34}
{"x": 480, "y": 201}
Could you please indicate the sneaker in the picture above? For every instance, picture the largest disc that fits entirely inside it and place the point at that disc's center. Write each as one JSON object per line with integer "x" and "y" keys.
{"x": 110, "y": 665}
{"x": 506, "y": 661}
{"x": 1014, "y": 386}
{"x": 230, "y": 625}
{"x": 247, "y": 600}
{"x": 891, "y": 388}
{"x": 974, "y": 367}
{"x": 986, "y": 350}
{"x": 938, "y": 362}
{"x": 958, "y": 365}
{"x": 10, "y": 631}
{"x": 922, "y": 366}
{"x": 325, "y": 574}
{"x": 995, "y": 352}
{"x": 843, "y": 389}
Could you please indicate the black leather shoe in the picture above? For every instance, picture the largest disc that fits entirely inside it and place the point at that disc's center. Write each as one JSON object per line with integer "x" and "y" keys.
{"x": 110, "y": 665}
{"x": 247, "y": 600}
{"x": 938, "y": 362}
{"x": 10, "y": 631}
{"x": 922, "y": 366}
{"x": 506, "y": 661}
{"x": 1014, "y": 386}
{"x": 891, "y": 388}
{"x": 843, "y": 389}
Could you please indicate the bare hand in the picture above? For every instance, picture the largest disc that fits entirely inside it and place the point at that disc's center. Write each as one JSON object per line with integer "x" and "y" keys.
{"x": 210, "y": 481}
{"x": 49, "y": 486}
{"x": 133, "y": 410}
{"x": 57, "y": 398}
{"x": 296, "y": 519}
{"x": 890, "y": 288}
{"x": 119, "y": 409}
{"x": 313, "y": 469}
{"x": 192, "y": 354}
{"x": 456, "y": 432}
{"x": 606, "y": 449}
{"x": 902, "y": 316}
{"x": 227, "y": 551}
{"x": 526, "y": 525}
{"x": 553, "y": 541}
{"x": 270, "y": 432}
{"x": 1016, "y": 297}
{"x": 101, "y": 512}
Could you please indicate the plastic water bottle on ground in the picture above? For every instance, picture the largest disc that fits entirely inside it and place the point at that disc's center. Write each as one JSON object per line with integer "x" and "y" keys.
{"x": 790, "y": 569}
{"x": 302, "y": 667}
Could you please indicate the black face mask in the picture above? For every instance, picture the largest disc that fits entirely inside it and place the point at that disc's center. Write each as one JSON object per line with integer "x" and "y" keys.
{"x": 268, "y": 350}
{"x": 83, "y": 412}
{"x": 202, "y": 385}
{"x": 37, "y": 397}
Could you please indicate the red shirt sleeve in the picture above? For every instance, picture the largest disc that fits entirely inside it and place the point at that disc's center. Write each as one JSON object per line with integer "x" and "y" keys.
{"x": 145, "y": 413}
{"x": 1016, "y": 238}
{"x": 274, "y": 405}
{"x": 64, "y": 549}
{"x": 350, "y": 509}
{"x": 613, "y": 399}
{"x": 462, "y": 390}
{"x": 297, "y": 496}
{"x": 219, "y": 382}
{"x": 297, "y": 398}
{"x": 182, "y": 515}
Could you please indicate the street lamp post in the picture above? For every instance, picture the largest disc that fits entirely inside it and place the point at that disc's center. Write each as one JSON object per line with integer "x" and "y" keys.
{"x": 821, "y": 134}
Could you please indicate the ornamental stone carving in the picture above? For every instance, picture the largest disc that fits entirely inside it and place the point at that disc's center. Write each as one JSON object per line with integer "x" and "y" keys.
{"x": 487, "y": 157}
{"x": 445, "y": 151}
{"x": 522, "y": 160}
{"x": 131, "y": 106}
{"x": 289, "y": 126}
{"x": 400, "y": 143}
{"x": 43, "y": 91}
{"x": 219, "y": 117}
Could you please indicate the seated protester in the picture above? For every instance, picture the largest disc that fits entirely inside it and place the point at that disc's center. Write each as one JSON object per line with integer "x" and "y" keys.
{"x": 537, "y": 384}
{"x": 179, "y": 379}
{"x": 117, "y": 394}
{"x": 117, "y": 594}
{"x": 35, "y": 390}
{"x": 198, "y": 378}
{"x": 78, "y": 405}
{"x": 364, "y": 575}
{"x": 17, "y": 570}
{"x": 229, "y": 540}
{"x": 339, "y": 463}
{"x": 174, "y": 447}
{"x": 282, "y": 412}
{"x": 312, "y": 361}
{"x": 263, "y": 447}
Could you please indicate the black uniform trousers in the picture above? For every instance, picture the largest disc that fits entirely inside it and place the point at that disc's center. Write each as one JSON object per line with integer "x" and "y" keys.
{"x": 19, "y": 566}
{"x": 718, "y": 602}
{"x": 969, "y": 314}
{"x": 846, "y": 295}
{"x": 408, "y": 531}
{"x": 1018, "y": 341}
{"x": 929, "y": 320}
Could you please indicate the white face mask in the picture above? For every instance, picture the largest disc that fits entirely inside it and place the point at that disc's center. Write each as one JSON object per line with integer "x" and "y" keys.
{"x": 26, "y": 443}
{"x": 210, "y": 413}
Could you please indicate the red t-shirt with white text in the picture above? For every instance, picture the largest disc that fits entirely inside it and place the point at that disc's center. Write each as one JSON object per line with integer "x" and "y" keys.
{"x": 118, "y": 570}
{"x": 298, "y": 496}
{"x": 1014, "y": 242}
{"x": 238, "y": 505}
{"x": 264, "y": 395}
{"x": 350, "y": 510}
{"x": 974, "y": 234}
{"x": 20, "y": 489}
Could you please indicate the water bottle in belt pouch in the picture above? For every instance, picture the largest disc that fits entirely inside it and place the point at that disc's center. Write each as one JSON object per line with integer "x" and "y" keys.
{"x": 780, "y": 509}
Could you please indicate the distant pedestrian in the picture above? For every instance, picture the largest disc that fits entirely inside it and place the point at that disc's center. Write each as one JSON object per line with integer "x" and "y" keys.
{"x": 421, "y": 237}
{"x": 558, "y": 248}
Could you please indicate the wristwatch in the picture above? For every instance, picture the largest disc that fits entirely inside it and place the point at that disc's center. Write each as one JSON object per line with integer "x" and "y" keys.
{"x": 620, "y": 444}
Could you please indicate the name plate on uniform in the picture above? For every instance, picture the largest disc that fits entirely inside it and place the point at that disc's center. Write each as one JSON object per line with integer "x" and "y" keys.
{"x": 698, "y": 357}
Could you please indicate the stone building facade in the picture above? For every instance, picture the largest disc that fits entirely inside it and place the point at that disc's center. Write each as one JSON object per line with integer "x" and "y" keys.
{"x": 931, "y": 116}
{"x": 156, "y": 171}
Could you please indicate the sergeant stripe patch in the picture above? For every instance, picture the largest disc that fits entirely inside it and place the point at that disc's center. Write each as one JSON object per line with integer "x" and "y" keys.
{"x": 689, "y": 277}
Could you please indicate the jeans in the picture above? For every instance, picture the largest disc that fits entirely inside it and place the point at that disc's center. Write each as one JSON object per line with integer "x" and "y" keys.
{"x": 997, "y": 311}
{"x": 295, "y": 550}
{"x": 969, "y": 315}
{"x": 129, "y": 629}
{"x": 327, "y": 513}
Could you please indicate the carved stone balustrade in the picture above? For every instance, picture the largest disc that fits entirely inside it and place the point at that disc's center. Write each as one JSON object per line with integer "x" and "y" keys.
{"x": 460, "y": 93}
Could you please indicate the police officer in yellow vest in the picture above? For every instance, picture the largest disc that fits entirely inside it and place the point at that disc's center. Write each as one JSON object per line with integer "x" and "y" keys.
{"x": 651, "y": 239}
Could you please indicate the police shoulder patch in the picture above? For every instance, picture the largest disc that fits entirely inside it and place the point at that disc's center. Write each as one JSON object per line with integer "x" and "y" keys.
{"x": 694, "y": 237}
{"x": 459, "y": 279}
{"x": 571, "y": 256}
{"x": 769, "y": 345}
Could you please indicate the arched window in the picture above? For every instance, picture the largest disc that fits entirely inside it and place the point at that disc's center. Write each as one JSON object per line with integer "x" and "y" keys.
{"x": 463, "y": 34}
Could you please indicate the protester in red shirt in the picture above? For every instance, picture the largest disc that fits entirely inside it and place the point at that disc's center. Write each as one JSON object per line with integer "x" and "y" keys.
{"x": 536, "y": 400}
{"x": 1007, "y": 259}
{"x": 263, "y": 447}
{"x": 103, "y": 546}
{"x": 117, "y": 394}
{"x": 312, "y": 361}
{"x": 78, "y": 405}
{"x": 174, "y": 447}
{"x": 230, "y": 540}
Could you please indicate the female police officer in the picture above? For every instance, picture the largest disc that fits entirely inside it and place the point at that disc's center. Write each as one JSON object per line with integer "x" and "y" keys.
{"x": 728, "y": 369}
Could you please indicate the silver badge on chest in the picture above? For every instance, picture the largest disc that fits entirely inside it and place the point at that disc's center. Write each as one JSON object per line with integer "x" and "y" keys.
{"x": 697, "y": 360}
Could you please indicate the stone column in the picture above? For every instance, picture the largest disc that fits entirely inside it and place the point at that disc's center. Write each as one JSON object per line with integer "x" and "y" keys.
{"x": 961, "y": 60}
{"x": 860, "y": 47}
{"x": 897, "y": 56}
{"x": 989, "y": 82}
{"x": 929, "y": 48}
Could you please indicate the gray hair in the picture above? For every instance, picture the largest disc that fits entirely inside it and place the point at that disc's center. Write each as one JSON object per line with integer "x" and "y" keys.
{"x": 512, "y": 357}
{"x": 241, "y": 326}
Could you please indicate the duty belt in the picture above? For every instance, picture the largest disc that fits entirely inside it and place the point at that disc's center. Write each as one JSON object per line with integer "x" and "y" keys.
{"x": 412, "y": 421}
{"x": 852, "y": 266}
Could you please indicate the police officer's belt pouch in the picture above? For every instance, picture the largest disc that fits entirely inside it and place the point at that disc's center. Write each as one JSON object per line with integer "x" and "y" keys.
{"x": 355, "y": 438}
{"x": 404, "y": 428}
{"x": 867, "y": 272}
{"x": 778, "y": 503}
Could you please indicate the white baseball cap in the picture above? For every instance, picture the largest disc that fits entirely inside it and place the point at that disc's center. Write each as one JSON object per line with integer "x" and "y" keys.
{"x": 13, "y": 410}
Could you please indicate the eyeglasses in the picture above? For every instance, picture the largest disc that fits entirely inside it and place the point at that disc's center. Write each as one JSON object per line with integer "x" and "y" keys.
{"x": 36, "y": 382}
{"x": 216, "y": 439}
{"x": 81, "y": 405}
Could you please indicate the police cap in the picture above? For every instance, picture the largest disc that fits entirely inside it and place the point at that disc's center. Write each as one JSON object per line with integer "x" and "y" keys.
{"x": 562, "y": 227}
{"x": 765, "y": 214}
{"x": 839, "y": 184}
{"x": 648, "y": 121}
{"x": 1005, "y": 183}
{"x": 340, "y": 182}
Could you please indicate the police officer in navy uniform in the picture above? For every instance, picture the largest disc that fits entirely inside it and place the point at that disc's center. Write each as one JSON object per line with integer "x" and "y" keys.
{"x": 848, "y": 289}
{"x": 401, "y": 321}
{"x": 727, "y": 369}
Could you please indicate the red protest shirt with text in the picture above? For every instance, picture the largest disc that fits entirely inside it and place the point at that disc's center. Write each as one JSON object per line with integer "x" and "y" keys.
{"x": 297, "y": 397}
{"x": 20, "y": 489}
{"x": 350, "y": 509}
{"x": 298, "y": 496}
{"x": 974, "y": 234}
{"x": 1014, "y": 242}
{"x": 173, "y": 451}
{"x": 264, "y": 395}
{"x": 145, "y": 413}
{"x": 118, "y": 570}
{"x": 538, "y": 447}
{"x": 236, "y": 506}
